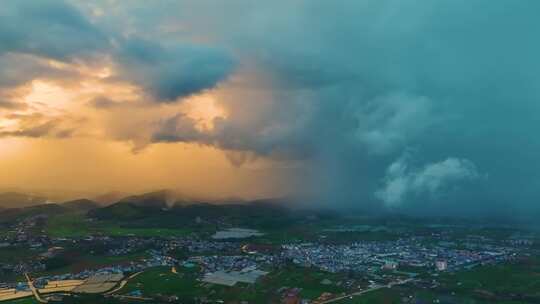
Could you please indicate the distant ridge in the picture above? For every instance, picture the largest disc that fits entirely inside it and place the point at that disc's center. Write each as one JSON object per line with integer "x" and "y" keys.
{"x": 109, "y": 198}
{"x": 157, "y": 199}
{"x": 170, "y": 198}
{"x": 10, "y": 200}
{"x": 166, "y": 204}
{"x": 10, "y": 215}
{"x": 81, "y": 205}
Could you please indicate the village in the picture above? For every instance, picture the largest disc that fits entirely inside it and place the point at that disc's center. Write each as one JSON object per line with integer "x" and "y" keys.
{"x": 237, "y": 260}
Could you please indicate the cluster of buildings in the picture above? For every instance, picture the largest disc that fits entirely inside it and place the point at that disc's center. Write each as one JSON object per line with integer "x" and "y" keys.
{"x": 26, "y": 233}
{"x": 247, "y": 275}
{"x": 209, "y": 264}
{"x": 225, "y": 260}
{"x": 366, "y": 256}
{"x": 153, "y": 258}
{"x": 204, "y": 246}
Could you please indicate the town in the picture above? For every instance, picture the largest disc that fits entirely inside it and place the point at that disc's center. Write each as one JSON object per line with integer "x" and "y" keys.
{"x": 240, "y": 259}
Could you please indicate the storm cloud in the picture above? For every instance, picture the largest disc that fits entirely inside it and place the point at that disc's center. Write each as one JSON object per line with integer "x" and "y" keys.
{"x": 46, "y": 28}
{"x": 340, "y": 90}
{"x": 350, "y": 86}
{"x": 174, "y": 71}
{"x": 56, "y": 30}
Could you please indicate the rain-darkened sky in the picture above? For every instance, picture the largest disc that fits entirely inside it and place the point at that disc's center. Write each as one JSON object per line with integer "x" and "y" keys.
{"x": 429, "y": 106}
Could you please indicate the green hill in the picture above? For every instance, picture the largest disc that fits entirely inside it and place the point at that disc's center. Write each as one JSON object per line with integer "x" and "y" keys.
{"x": 81, "y": 205}
{"x": 9, "y": 216}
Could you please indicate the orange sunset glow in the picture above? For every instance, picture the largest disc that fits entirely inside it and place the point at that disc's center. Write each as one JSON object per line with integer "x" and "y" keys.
{"x": 109, "y": 148}
{"x": 91, "y": 133}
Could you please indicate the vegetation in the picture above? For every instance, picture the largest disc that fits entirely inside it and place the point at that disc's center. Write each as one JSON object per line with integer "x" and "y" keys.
{"x": 11, "y": 216}
{"x": 519, "y": 280}
{"x": 78, "y": 225}
{"x": 509, "y": 283}
{"x": 162, "y": 281}
{"x": 514, "y": 283}
{"x": 380, "y": 296}
{"x": 22, "y": 301}
{"x": 308, "y": 279}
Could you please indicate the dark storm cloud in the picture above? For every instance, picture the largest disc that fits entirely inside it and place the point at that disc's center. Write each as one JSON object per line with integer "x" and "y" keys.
{"x": 356, "y": 84}
{"x": 57, "y": 30}
{"x": 47, "y": 28}
{"x": 174, "y": 71}
{"x": 349, "y": 88}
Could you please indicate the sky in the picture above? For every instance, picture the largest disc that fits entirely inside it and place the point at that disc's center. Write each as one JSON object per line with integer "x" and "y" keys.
{"x": 422, "y": 106}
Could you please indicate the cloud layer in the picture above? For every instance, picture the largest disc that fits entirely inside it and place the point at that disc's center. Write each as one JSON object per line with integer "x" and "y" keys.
{"x": 432, "y": 180}
{"x": 335, "y": 92}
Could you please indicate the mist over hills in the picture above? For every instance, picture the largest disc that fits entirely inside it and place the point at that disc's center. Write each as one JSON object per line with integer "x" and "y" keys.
{"x": 20, "y": 200}
{"x": 109, "y": 197}
{"x": 163, "y": 208}
{"x": 12, "y": 215}
{"x": 160, "y": 198}
{"x": 171, "y": 205}
{"x": 168, "y": 208}
{"x": 81, "y": 205}
{"x": 155, "y": 200}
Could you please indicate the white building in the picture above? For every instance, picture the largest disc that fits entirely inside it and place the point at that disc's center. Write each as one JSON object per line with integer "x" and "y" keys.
{"x": 390, "y": 265}
{"x": 441, "y": 265}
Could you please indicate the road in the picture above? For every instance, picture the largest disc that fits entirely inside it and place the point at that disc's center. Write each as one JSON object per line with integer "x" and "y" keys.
{"x": 358, "y": 293}
{"x": 132, "y": 298}
{"x": 120, "y": 286}
{"x": 34, "y": 290}
{"x": 123, "y": 283}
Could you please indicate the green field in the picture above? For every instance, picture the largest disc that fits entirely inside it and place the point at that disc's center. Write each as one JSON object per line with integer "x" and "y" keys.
{"x": 308, "y": 279}
{"x": 162, "y": 281}
{"x": 15, "y": 254}
{"x": 381, "y": 296}
{"x": 83, "y": 262}
{"x": 184, "y": 283}
{"x": 79, "y": 226}
{"x": 521, "y": 278}
{"x": 511, "y": 283}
